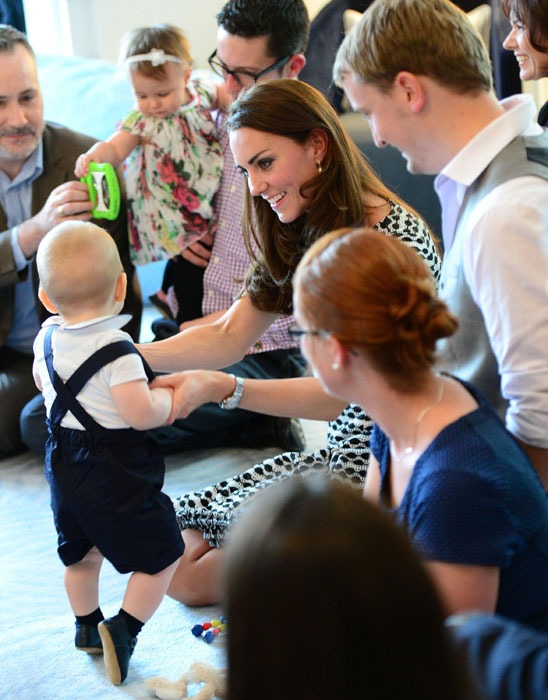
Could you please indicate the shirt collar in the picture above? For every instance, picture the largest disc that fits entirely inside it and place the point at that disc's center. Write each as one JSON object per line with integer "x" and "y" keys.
{"x": 93, "y": 325}
{"x": 472, "y": 160}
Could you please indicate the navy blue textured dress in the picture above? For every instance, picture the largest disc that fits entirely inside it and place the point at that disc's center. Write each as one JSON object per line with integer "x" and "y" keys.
{"x": 475, "y": 498}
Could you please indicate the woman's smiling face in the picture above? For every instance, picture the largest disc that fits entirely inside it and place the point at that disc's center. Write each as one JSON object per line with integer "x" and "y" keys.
{"x": 276, "y": 167}
{"x": 533, "y": 64}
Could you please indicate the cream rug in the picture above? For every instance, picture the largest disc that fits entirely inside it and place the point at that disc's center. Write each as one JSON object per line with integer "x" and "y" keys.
{"x": 38, "y": 660}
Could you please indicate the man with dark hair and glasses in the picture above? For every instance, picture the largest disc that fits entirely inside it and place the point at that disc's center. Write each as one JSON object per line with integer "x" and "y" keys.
{"x": 256, "y": 40}
{"x": 242, "y": 77}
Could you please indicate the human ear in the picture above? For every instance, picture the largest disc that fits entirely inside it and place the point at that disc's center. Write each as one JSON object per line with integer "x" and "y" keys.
{"x": 121, "y": 287}
{"x": 412, "y": 90}
{"x": 50, "y": 306}
{"x": 294, "y": 66}
{"x": 318, "y": 140}
{"x": 338, "y": 354}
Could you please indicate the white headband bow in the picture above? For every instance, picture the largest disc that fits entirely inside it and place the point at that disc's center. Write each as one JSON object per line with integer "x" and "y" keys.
{"x": 156, "y": 56}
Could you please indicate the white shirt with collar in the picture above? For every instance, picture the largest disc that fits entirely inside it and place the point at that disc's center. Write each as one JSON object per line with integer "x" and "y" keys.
{"x": 505, "y": 264}
{"x": 71, "y": 347}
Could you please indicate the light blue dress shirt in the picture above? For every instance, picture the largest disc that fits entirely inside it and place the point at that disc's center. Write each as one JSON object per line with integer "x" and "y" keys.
{"x": 16, "y": 201}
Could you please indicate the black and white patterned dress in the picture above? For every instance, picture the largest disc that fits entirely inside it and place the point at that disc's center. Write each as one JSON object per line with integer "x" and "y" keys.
{"x": 346, "y": 456}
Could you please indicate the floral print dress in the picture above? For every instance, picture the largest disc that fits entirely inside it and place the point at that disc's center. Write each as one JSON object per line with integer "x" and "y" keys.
{"x": 172, "y": 178}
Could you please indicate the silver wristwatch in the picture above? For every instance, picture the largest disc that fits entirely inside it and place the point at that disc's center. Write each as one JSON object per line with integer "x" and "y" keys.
{"x": 233, "y": 401}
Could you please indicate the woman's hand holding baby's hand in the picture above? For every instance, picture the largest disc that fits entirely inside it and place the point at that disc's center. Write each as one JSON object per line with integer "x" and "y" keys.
{"x": 193, "y": 388}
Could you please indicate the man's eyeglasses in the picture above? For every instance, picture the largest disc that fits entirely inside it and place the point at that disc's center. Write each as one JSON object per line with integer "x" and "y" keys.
{"x": 242, "y": 77}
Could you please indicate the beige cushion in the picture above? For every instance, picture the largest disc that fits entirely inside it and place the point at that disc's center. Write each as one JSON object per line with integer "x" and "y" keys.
{"x": 350, "y": 18}
{"x": 481, "y": 19}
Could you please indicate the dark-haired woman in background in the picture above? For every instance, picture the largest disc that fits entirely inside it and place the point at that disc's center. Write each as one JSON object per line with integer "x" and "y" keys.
{"x": 528, "y": 39}
{"x": 441, "y": 460}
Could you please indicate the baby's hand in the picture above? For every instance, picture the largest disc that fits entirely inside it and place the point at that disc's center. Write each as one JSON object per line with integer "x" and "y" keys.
{"x": 82, "y": 164}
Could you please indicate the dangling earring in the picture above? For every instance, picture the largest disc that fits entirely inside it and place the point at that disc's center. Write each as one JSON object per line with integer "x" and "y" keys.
{"x": 319, "y": 165}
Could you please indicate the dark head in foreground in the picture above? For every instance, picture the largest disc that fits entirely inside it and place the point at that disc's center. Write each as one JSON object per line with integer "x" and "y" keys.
{"x": 327, "y": 599}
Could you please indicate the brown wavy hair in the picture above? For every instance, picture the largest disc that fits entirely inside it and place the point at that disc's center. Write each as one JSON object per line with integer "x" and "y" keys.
{"x": 376, "y": 295}
{"x": 293, "y": 109}
{"x": 533, "y": 14}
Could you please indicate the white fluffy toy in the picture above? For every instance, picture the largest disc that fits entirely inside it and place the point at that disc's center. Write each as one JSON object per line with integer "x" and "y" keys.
{"x": 214, "y": 684}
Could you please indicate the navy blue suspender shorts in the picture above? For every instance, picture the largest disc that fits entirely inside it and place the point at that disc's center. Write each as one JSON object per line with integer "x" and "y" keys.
{"x": 106, "y": 485}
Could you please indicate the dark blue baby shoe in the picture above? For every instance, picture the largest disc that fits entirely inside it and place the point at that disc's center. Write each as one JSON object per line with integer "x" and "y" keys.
{"x": 87, "y": 639}
{"x": 118, "y": 646}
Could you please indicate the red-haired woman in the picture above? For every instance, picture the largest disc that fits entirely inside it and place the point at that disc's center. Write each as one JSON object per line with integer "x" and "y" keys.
{"x": 441, "y": 460}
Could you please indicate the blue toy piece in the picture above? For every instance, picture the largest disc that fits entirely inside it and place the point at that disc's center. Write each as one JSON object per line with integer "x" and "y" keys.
{"x": 208, "y": 636}
{"x": 209, "y": 630}
{"x": 104, "y": 190}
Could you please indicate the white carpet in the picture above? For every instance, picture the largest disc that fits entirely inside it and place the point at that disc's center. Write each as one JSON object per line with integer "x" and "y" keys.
{"x": 37, "y": 655}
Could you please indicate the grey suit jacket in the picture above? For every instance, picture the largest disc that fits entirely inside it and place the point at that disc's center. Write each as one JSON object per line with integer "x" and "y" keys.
{"x": 61, "y": 148}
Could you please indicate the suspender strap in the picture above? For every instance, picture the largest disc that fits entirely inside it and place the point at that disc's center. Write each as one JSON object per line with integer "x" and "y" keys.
{"x": 67, "y": 392}
{"x": 64, "y": 401}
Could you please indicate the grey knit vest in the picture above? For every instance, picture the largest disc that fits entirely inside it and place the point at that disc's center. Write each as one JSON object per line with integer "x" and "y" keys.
{"x": 468, "y": 354}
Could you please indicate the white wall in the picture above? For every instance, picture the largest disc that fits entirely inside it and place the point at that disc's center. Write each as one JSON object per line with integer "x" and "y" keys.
{"x": 314, "y": 6}
{"x": 94, "y": 27}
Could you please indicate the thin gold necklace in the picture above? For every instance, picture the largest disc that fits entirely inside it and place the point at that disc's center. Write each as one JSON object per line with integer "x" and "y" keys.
{"x": 411, "y": 448}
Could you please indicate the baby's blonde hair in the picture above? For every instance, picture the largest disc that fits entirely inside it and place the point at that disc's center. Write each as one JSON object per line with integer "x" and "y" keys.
{"x": 142, "y": 40}
{"x": 79, "y": 265}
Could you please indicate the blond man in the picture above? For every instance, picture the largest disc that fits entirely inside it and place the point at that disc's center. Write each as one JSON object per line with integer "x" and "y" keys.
{"x": 421, "y": 74}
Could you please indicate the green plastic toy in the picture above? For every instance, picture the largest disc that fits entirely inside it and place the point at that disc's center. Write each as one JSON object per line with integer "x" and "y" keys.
{"x": 104, "y": 190}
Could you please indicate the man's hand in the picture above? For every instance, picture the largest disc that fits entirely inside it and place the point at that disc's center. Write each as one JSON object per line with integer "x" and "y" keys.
{"x": 69, "y": 201}
{"x": 199, "y": 253}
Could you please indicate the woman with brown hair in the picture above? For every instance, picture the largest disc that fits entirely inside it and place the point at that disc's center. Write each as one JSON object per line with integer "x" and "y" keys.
{"x": 441, "y": 460}
{"x": 305, "y": 177}
{"x": 528, "y": 39}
